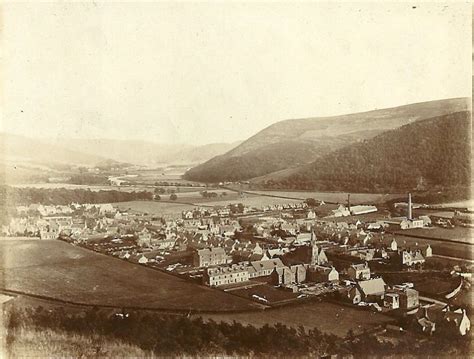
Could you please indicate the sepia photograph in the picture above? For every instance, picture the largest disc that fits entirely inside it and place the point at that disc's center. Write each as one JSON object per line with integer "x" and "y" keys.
{"x": 258, "y": 179}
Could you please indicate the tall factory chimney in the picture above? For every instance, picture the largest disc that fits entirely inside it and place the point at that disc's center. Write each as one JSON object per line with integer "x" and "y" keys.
{"x": 409, "y": 209}
{"x": 349, "y": 202}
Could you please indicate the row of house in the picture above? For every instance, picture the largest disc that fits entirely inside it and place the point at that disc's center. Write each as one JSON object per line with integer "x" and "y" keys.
{"x": 280, "y": 274}
{"x": 201, "y": 212}
{"x": 275, "y": 269}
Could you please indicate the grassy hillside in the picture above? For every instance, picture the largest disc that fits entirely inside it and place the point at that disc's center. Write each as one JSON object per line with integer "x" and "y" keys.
{"x": 425, "y": 154}
{"x": 64, "y": 272}
{"x": 291, "y": 143}
{"x": 30, "y": 341}
{"x": 97, "y": 334}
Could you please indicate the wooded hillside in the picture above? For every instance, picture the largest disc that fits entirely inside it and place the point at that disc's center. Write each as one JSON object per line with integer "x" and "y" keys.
{"x": 424, "y": 154}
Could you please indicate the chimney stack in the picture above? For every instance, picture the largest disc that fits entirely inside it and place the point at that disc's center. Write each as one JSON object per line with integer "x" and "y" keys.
{"x": 409, "y": 207}
{"x": 349, "y": 202}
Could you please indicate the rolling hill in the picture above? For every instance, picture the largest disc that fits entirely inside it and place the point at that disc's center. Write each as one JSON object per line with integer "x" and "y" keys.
{"x": 26, "y": 149}
{"x": 431, "y": 153}
{"x": 29, "y": 160}
{"x": 293, "y": 143}
{"x": 35, "y": 153}
{"x": 145, "y": 152}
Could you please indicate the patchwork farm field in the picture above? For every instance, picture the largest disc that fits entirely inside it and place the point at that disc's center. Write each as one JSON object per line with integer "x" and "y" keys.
{"x": 175, "y": 208}
{"x": 61, "y": 271}
{"x": 169, "y": 174}
{"x": 336, "y": 197}
{"x": 254, "y": 201}
{"x": 328, "y": 317}
{"x": 154, "y": 207}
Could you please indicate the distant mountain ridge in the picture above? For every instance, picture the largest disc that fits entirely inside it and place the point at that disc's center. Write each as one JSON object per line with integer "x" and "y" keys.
{"x": 291, "y": 143}
{"x": 41, "y": 151}
{"x": 26, "y": 160}
{"x": 147, "y": 153}
{"x": 91, "y": 152}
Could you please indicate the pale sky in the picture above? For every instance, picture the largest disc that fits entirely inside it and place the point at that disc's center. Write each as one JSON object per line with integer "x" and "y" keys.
{"x": 220, "y": 72}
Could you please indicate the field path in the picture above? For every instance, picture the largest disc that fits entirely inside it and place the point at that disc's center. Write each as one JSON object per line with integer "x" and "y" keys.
{"x": 454, "y": 258}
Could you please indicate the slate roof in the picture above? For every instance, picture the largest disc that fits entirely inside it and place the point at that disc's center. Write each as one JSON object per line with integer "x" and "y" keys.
{"x": 372, "y": 286}
{"x": 267, "y": 264}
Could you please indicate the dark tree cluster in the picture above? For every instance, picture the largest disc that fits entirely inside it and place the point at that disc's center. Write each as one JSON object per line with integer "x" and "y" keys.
{"x": 236, "y": 208}
{"x": 311, "y": 202}
{"x": 167, "y": 335}
{"x": 206, "y": 194}
{"x": 267, "y": 159}
{"x": 62, "y": 196}
{"x": 179, "y": 335}
{"x": 175, "y": 184}
{"x": 424, "y": 154}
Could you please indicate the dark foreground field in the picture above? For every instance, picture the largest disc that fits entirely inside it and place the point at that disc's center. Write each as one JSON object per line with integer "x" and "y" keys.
{"x": 328, "y": 317}
{"x": 59, "y": 270}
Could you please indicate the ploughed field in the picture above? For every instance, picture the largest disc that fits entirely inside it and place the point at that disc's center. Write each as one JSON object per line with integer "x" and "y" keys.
{"x": 334, "y": 197}
{"x": 459, "y": 234}
{"x": 62, "y": 271}
{"x": 430, "y": 283}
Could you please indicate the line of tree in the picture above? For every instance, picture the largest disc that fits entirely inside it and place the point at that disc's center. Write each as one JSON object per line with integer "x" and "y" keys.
{"x": 61, "y": 196}
{"x": 88, "y": 179}
{"x": 176, "y": 184}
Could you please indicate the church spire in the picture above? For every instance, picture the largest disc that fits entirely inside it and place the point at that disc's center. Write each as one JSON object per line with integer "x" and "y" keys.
{"x": 314, "y": 253}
